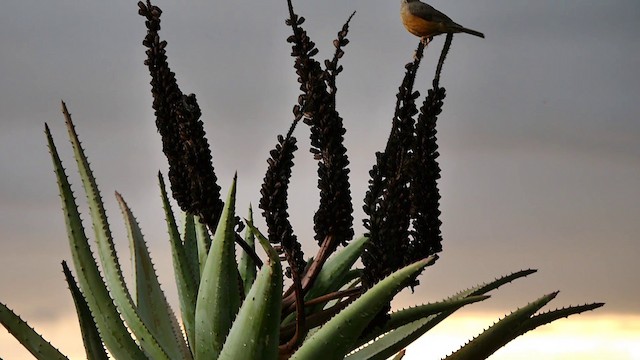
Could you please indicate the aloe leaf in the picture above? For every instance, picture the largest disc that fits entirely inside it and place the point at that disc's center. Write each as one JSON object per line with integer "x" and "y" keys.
{"x": 397, "y": 339}
{"x": 353, "y": 274}
{"x": 218, "y": 296}
{"x": 423, "y": 326}
{"x": 401, "y": 337}
{"x": 550, "y": 316}
{"x": 516, "y": 325}
{"x": 500, "y": 333}
{"x": 108, "y": 256}
{"x": 405, "y": 316}
{"x": 492, "y": 285}
{"x": 333, "y": 275}
{"x": 190, "y": 244}
{"x": 399, "y": 355}
{"x": 204, "y": 242}
{"x": 351, "y": 280}
{"x": 90, "y": 336}
{"x": 112, "y": 330}
{"x": 336, "y": 268}
{"x": 343, "y": 330}
{"x": 151, "y": 302}
{"x": 27, "y": 336}
{"x": 247, "y": 266}
{"x": 254, "y": 334}
{"x": 484, "y": 288}
{"x": 186, "y": 280}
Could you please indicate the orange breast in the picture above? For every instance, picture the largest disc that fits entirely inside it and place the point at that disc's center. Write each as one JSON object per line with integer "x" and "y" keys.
{"x": 420, "y": 27}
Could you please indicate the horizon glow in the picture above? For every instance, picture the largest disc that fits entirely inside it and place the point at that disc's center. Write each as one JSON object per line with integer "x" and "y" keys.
{"x": 584, "y": 337}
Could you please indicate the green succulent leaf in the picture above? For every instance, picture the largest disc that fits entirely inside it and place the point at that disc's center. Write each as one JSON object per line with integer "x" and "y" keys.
{"x": 516, "y": 324}
{"x": 247, "y": 267}
{"x": 397, "y": 334}
{"x": 391, "y": 342}
{"x": 492, "y": 285}
{"x": 405, "y": 316}
{"x": 186, "y": 280}
{"x": 190, "y": 244}
{"x": 550, "y": 316}
{"x": 336, "y": 338}
{"x": 254, "y": 334}
{"x": 331, "y": 277}
{"x": 352, "y": 277}
{"x": 151, "y": 302}
{"x": 500, "y": 333}
{"x": 204, "y": 243}
{"x": 399, "y": 355}
{"x": 109, "y": 259}
{"x": 401, "y": 337}
{"x": 27, "y": 336}
{"x": 218, "y": 296}
{"x": 112, "y": 330}
{"x": 90, "y": 335}
{"x": 396, "y": 339}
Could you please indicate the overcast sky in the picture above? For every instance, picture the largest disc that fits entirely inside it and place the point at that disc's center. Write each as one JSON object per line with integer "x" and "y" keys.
{"x": 539, "y": 138}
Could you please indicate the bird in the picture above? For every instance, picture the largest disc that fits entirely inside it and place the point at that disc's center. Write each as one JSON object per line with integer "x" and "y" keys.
{"x": 426, "y": 22}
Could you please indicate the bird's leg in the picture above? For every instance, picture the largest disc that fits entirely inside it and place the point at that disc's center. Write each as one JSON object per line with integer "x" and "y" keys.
{"x": 424, "y": 41}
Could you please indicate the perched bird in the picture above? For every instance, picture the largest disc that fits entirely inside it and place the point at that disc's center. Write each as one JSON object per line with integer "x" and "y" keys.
{"x": 426, "y": 22}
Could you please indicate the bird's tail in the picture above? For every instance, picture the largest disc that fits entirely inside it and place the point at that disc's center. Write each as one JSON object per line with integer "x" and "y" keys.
{"x": 469, "y": 31}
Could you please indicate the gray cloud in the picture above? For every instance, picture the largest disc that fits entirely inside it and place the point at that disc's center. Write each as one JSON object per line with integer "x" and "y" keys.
{"x": 539, "y": 133}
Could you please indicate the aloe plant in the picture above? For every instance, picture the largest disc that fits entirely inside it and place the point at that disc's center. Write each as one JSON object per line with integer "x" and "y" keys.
{"x": 236, "y": 306}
